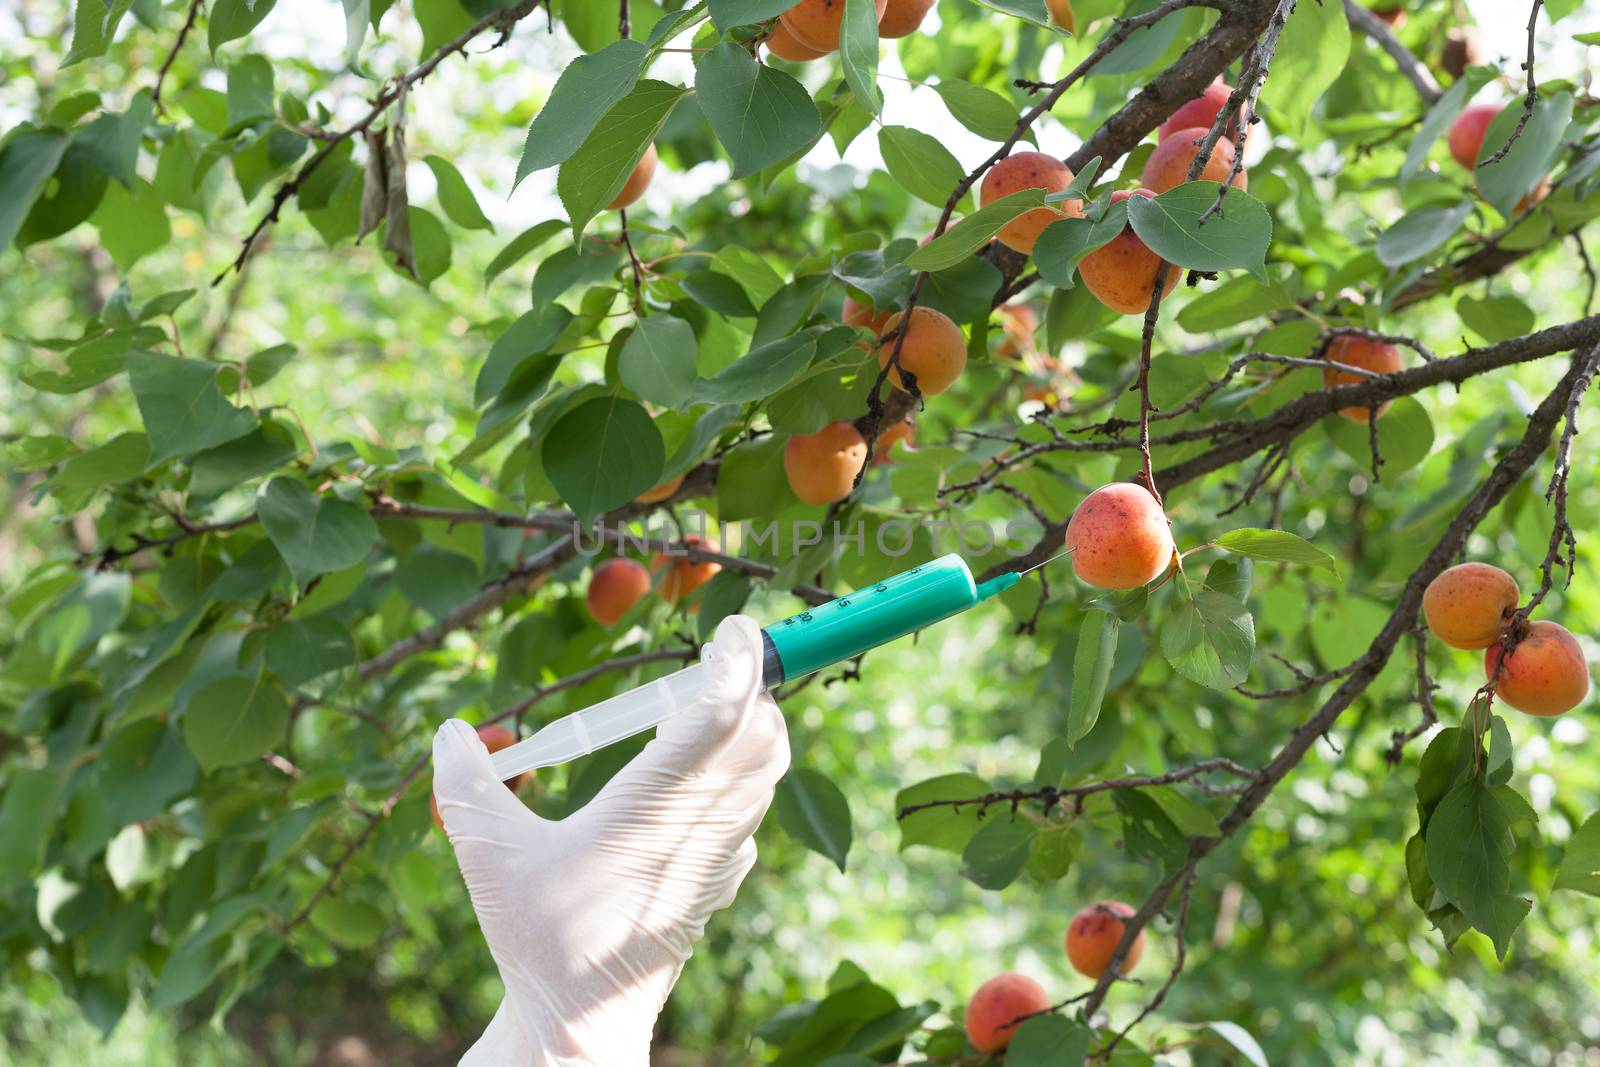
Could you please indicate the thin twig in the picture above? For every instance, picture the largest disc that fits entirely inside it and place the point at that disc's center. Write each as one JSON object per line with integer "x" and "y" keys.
{"x": 172, "y": 54}
{"x": 1415, "y": 71}
{"x": 1532, "y": 96}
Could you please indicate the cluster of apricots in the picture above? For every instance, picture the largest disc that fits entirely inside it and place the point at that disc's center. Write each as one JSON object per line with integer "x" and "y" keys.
{"x": 494, "y": 738}
{"x": 1124, "y": 273}
{"x": 810, "y": 29}
{"x": 1474, "y": 606}
{"x": 1000, "y": 1005}
{"x": 619, "y": 583}
{"x": 1466, "y": 142}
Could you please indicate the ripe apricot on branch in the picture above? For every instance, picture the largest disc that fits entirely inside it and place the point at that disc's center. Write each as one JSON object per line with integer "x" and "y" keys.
{"x": 1093, "y": 936}
{"x": 934, "y": 350}
{"x": 1467, "y": 133}
{"x": 1028, "y": 170}
{"x": 784, "y": 45}
{"x": 637, "y": 182}
{"x": 996, "y": 1005}
{"x": 684, "y": 575}
{"x": 1468, "y": 605}
{"x": 904, "y": 431}
{"x": 865, "y": 316}
{"x": 1061, "y": 14}
{"x": 614, "y": 588}
{"x": 822, "y": 466}
{"x": 1545, "y": 674}
{"x": 902, "y": 17}
{"x": 815, "y": 23}
{"x": 1119, "y": 537}
{"x": 1379, "y": 357}
{"x": 660, "y": 492}
{"x": 1202, "y": 111}
{"x": 1168, "y": 166}
{"x": 494, "y": 738}
{"x": 1122, "y": 274}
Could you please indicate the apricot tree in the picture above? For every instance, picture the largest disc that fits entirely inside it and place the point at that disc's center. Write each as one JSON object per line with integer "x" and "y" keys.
{"x": 307, "y": 453}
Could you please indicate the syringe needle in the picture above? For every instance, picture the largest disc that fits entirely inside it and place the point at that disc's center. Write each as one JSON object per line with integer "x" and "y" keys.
{"x": 1052, "y": 559}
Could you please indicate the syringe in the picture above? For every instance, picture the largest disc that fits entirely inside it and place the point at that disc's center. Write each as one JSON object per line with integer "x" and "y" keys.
{"x": 799, "y": 645}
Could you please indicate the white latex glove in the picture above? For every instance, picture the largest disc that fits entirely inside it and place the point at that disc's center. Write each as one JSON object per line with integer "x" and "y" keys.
{"x": 590, "y": 919}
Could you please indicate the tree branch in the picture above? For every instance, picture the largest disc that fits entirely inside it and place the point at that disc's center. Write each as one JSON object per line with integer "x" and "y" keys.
{"x": 1414, "y": 69}
{"x": 172, "y": 54}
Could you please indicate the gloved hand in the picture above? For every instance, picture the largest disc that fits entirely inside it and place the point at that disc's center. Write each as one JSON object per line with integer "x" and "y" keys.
{"x": 590, "y": 919}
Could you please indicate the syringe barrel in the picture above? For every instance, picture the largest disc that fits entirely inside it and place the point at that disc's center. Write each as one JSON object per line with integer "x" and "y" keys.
{"x": 604, "y": 723}
{"x": 833, "y": 632}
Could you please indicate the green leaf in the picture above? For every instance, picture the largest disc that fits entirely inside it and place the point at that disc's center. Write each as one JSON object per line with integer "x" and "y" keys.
{"x": 593, "y": 175}
{"x": 228, "y": 466}
{"x": 528, "y": 338}
{"x": 228, "y": 20}
{"x": 1532, "y": 155}
{"x": 657, "y": 360}
{"x": 1148, "y": 832}
{"x": 1496, "y": 318}
{"x": 1405, "y": 436}
{"x": 182, "y": 409}
{"x": 858, "y": 53}
{"x": 1032, "y": 11}
{"x": 1062, "y": 245}
{"x": 26, "y": 163}
{"x": 1580, "y": 864}
{"x": 455, "y": 196}
{"x": 1188, "y": 816}
{"x": 589, "y": 86}
{"x": 94, "y": 24}
{"x": 298, "y": 651}
{"x": 1048, "y": 1041}
{"x": 983, "y": 111}
{"x": 998, "y": 851}
{"x": 132, "y": 224}
{"x": 1469, "y": 846}
{"x": 1312, "y": 53}
{"x": 352, "y": 924}
{"x": 357, "y": 13}
{"x": 941, "y": 827}
{"x": 1240, "y": 1039}
{"x": 920, "y": 163}
{"x": 520, "y": 245}
{"x": 1434, "y": 124}
{"x": 261, "y": 367}
{"x": 436, "y": 580}
{"x": 759, "y": 373}
{"x": 973, "y": 232}
{"x": 751, "y": 482}
{"x": 1239, "y": 299}
{"x": 314, "y": 535}
{"x": 728, "y": 14}
{"x": 1144, "y": 46}
{"x": 1210, "y": 639}
{"x": 760, "y": 114}
{"x": 27, "y": 811}
{"x": 142, "y": 768}
{"x": 111, "y": 142}
{"x": 965, "y": 291}
{"x": 602, "y": 454}
{"x": 250, "y": 92}
{"x": 1279, "y": 546}
{"x": 234, "y": 720}
{"x": 813, "y": 811}
{"x": 1236, "y": 237}
{"x": 1091, "y": 670}
{"x": 1420, "y": 232}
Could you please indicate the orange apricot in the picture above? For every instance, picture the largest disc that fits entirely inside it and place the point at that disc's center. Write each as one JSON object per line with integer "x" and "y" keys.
{"x": 901, "y": 18}
{"x": 684, "y": 575}
{"x": 1393, "y": 17}
{"x": 1168, "y": 166}
{"x": 494, "y": 738}
{"x": 1467, "y": 133}
{"x": 1122, "y": 274}
{"x": 1028, "y": 170}
{"x": 660, "y": 492}
{"x": 815, "y": 23}
{"x": 637, "y": 182}
{"x": 1119, "y": 537}
{"x": 1356, "y": 351}
{"x": 1061, "y": 14}
{"x": 996, "y": 1005}
{"x": 1468, "y": 605}
{"x": 903, "y": 432}
{"x": 1202, "y": 111}
{"x": 614, "y": 588}
{"x": 822, "y": 466}
{"x": 1093, "y": 936}
{"x": 934, "y": 350}
{"x": 784, "y": 45}
{"x": 865, "y": 316}
{"x": 1532, "y": 197}
{"x": 1545, "y": 674}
